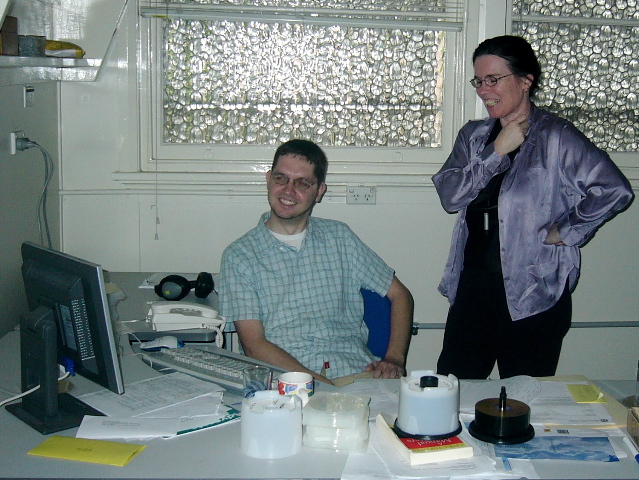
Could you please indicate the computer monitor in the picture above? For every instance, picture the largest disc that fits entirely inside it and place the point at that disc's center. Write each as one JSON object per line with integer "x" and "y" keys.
{"x": 68, "y": 324}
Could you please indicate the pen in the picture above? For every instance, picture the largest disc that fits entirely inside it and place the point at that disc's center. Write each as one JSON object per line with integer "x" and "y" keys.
{"x": 632, "y": 448}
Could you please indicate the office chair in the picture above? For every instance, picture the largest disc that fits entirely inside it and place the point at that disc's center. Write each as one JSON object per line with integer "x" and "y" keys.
{"x": 377, "y": 318}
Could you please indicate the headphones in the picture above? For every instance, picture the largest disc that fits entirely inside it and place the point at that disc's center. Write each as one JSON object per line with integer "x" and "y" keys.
{"x": 176, "y": 287}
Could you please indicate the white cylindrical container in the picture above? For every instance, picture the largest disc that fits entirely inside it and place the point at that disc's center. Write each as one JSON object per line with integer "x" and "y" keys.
{"x": 428, "y": 405}
{"x": 271, "y": 425}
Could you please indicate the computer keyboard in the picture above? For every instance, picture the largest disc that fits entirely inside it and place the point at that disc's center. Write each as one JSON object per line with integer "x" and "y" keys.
{"x": 209, "y": 363}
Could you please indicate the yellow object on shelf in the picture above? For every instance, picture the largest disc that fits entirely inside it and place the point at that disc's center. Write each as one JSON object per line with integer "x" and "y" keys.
{"x": 56, "y": 48}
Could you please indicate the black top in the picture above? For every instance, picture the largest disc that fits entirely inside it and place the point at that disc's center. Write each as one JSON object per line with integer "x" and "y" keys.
{"x": 482, "y": 247}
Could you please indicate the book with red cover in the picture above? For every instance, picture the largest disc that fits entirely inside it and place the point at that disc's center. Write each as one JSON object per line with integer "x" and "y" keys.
{"x": 419, "y": 452}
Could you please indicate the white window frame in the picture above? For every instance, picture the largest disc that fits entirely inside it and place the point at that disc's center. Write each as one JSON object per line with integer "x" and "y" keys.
{"x": 246, "y": 164}
{"x": 238, "y": 174}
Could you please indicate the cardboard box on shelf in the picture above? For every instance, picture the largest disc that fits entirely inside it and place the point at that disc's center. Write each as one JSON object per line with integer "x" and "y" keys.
{"x": 9, "y": 36}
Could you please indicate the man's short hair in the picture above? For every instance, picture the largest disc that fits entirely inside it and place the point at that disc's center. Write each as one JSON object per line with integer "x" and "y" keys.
{"x": 307, "y": 149}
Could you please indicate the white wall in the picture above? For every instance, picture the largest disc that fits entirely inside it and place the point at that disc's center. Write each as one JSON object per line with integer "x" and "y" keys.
{"x": 115, "y": 226}
{"x": 21, "y": 182}
{"x": 91, "y": 24}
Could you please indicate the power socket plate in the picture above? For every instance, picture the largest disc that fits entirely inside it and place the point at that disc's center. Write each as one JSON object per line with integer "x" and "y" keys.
{"x": 28, "y": 97}
{"x": 13, "y": 138}
{"x": 361, "y": 195}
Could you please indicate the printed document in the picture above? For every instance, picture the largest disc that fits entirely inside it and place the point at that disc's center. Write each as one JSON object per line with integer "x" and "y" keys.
{"x": 163, "y": 406}
{"x": 151, "y": 394}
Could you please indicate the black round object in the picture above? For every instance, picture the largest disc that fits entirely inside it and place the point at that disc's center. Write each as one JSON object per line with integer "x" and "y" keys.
{"x": 401, "y": 433}
{"x": 502, "y": 421}
{"x": 204, "y": 285}
{"x": 428, "y": 381}
{"x": 176, "y": 287}
{"x": 528, "y": 434}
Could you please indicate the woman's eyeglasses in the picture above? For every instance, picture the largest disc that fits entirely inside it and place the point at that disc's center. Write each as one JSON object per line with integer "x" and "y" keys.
{"x": 488, "y": 80}
{"x": 299, "y": 183}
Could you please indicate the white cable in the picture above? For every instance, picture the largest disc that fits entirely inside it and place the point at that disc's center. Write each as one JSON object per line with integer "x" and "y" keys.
{"x": 219, "y": 337}
{"x": 31, "y": 390}
{"x": 8, "y": 400}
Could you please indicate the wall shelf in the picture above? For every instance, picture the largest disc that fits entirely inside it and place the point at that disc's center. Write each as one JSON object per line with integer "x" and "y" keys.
{"x": 16, "y": 70}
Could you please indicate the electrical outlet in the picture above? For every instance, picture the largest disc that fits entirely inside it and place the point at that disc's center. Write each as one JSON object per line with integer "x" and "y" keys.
{"x": 361, "y": 195}
{"x": 13, "y": 141}
{"x": 13, "y": 138}
{"x": 28, "y": 96}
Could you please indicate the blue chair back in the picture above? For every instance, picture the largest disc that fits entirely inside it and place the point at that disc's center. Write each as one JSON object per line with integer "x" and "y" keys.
{"x": 377, "y": 317}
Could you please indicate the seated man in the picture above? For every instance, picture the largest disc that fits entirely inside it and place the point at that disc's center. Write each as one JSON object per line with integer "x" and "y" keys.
{"x": 292, "y": 284}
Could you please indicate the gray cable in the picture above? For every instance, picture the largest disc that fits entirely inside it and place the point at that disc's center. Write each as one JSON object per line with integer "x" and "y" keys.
{"x": 23, "y": 144}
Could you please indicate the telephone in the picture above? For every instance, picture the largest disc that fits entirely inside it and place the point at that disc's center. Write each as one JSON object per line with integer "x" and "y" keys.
{"x": 166, "y": 315}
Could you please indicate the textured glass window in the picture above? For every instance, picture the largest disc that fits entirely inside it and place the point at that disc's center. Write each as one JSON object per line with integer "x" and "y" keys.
{"x": 254, "y": 82}
{"x": 264, "y": 83}
{"x": 589, "y": 52}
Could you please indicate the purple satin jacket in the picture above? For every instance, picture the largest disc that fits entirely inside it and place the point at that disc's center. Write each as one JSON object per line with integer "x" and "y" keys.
{"x": 558, "y": 176}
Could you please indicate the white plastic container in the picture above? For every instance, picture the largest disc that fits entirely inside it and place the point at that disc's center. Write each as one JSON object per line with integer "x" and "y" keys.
{"x": 336, "y": 421}
{"x": 271, "y": 425}
{"x": 429, "y": 409}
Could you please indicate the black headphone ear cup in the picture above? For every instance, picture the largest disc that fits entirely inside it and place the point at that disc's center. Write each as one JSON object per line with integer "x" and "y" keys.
{"x": 173, "y": 287}
{"x": 204, "y": 285}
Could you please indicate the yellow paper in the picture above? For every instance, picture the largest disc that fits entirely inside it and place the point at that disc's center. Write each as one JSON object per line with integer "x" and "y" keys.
{"x": 83, "y": 450}
{"x": 586, "y": 393}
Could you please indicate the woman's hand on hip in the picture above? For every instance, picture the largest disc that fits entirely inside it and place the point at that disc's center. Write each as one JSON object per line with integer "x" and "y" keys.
{"x": 553, "y": 237}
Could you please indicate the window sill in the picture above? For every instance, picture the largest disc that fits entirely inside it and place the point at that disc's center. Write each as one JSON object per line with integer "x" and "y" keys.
{"x": 254, "y": 183}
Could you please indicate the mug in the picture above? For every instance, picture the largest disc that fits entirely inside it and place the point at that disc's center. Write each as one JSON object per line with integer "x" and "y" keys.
{"x": 296, "y": 383}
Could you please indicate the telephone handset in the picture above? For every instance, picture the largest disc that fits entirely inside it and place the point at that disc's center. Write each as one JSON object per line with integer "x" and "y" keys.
{"x": 166, "y": 315}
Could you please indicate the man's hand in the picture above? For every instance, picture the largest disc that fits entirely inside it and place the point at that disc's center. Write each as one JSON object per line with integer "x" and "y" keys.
{"x": 386, "y": 369}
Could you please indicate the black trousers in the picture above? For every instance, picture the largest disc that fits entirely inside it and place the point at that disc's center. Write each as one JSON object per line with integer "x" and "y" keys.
{"x": 479, "y": 332}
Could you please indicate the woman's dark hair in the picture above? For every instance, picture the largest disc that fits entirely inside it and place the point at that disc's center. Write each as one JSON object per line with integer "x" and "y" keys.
{"x": 517, "y": 52}
{"x": 307, "y": 149}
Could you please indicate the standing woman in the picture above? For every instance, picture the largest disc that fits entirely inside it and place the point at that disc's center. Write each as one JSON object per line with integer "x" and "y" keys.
{"x": 529, "y": 190}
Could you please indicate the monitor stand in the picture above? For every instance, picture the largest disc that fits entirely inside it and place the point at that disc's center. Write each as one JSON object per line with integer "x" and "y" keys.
{"x": 44, "y": 409}
{"x": 70, "y": 413}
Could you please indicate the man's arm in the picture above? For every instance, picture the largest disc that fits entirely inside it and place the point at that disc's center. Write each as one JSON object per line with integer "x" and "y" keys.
{"x": 393, "y": 365}
{"x": 255, "y": 345}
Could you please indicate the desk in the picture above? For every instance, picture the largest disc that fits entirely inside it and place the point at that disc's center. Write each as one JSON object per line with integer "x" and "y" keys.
{"x": 213, "y": 453}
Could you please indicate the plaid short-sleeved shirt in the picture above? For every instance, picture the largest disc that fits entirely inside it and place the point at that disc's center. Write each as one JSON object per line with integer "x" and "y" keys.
{"x": 308, "y": 300}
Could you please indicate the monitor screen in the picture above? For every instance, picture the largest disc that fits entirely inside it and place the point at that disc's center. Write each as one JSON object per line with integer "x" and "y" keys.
{"x": 68, "y": 324}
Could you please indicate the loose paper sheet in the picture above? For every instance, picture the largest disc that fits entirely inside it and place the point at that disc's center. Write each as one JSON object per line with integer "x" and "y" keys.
{"x": 150, "y": 394}
{"x": 164, "y": 406}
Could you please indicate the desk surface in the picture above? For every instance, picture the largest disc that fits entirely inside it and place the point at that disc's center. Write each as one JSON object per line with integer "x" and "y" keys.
{"x": 212, "y": 453}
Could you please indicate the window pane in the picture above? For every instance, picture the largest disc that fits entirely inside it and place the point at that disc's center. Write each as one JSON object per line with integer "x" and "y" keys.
{"x": 253, "y": 83}
{"x": 590, "y": 71}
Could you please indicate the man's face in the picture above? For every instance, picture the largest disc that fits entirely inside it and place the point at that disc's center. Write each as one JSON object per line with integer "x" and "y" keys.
{"x": 288, "y": 201}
